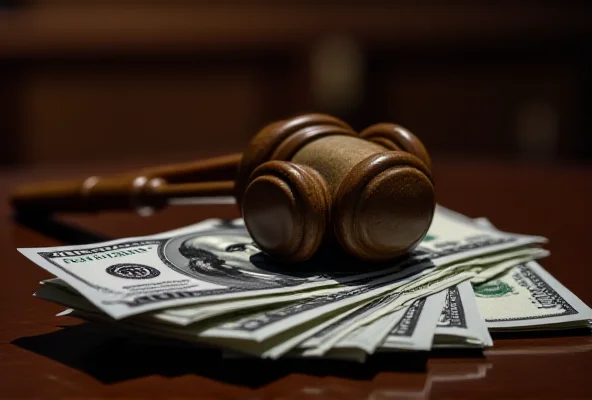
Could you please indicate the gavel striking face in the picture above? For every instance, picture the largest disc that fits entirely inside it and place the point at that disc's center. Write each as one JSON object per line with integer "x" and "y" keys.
{"x": 300, "y": 183}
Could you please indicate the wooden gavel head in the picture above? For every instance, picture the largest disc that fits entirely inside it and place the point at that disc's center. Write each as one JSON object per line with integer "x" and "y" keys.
{"x": 312, "y": 179}
{"x": 301, "y": 182}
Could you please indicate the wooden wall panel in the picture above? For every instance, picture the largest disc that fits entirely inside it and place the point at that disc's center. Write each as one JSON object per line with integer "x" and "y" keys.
{"x": 86, "y": 112}
{"x": 97, "y": 81}
{"x": 485, "y": 109}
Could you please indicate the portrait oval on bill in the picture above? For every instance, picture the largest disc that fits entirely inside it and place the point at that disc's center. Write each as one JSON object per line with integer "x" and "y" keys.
{"x": 228, "y": 256}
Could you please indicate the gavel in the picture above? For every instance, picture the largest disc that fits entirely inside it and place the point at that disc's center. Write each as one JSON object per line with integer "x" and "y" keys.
{"x": 300, "y": 183}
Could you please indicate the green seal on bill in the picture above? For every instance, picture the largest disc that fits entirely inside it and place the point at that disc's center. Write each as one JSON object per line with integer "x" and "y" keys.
{"x": 495, "y": 288}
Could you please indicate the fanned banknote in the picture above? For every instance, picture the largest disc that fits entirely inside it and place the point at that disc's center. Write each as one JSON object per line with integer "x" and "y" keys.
{"x": 528, "y": 298}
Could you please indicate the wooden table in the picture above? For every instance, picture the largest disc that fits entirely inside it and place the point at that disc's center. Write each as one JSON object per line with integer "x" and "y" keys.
{"x": 44, "y": 356}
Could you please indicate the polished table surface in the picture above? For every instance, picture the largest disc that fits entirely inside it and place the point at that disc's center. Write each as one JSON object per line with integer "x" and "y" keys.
{"x": 45, "y": 356}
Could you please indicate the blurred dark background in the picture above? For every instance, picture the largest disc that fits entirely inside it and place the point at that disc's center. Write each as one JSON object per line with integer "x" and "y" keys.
{"x": 96, "y": 81}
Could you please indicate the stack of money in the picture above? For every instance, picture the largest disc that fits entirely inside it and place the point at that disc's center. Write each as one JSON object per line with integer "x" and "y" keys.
{"x": 208, "y": 284}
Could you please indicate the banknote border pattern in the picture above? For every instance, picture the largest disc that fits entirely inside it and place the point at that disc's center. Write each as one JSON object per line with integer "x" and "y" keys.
{"x": 448, "y": 309}
{"x": 413, "y": 320}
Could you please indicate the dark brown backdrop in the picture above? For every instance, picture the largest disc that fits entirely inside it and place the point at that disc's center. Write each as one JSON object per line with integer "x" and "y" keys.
{"x": 149, "y": 79}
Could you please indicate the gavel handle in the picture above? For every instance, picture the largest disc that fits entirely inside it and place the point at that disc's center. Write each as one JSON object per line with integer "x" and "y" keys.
{"x": 150, "y": 187}
{"x": 222, "y": 168}
{"x": 113, "y": 193}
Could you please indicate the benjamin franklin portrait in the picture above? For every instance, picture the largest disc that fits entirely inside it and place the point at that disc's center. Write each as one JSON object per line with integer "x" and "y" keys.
{"x": 227, "y": 256}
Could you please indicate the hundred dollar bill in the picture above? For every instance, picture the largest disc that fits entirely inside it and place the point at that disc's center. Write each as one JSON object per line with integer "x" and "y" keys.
{"x": 529, "y": 298}
{"x": 210, "y": 261}
{"x": 460, "y": 324}
{"x": 217, "y": 260}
